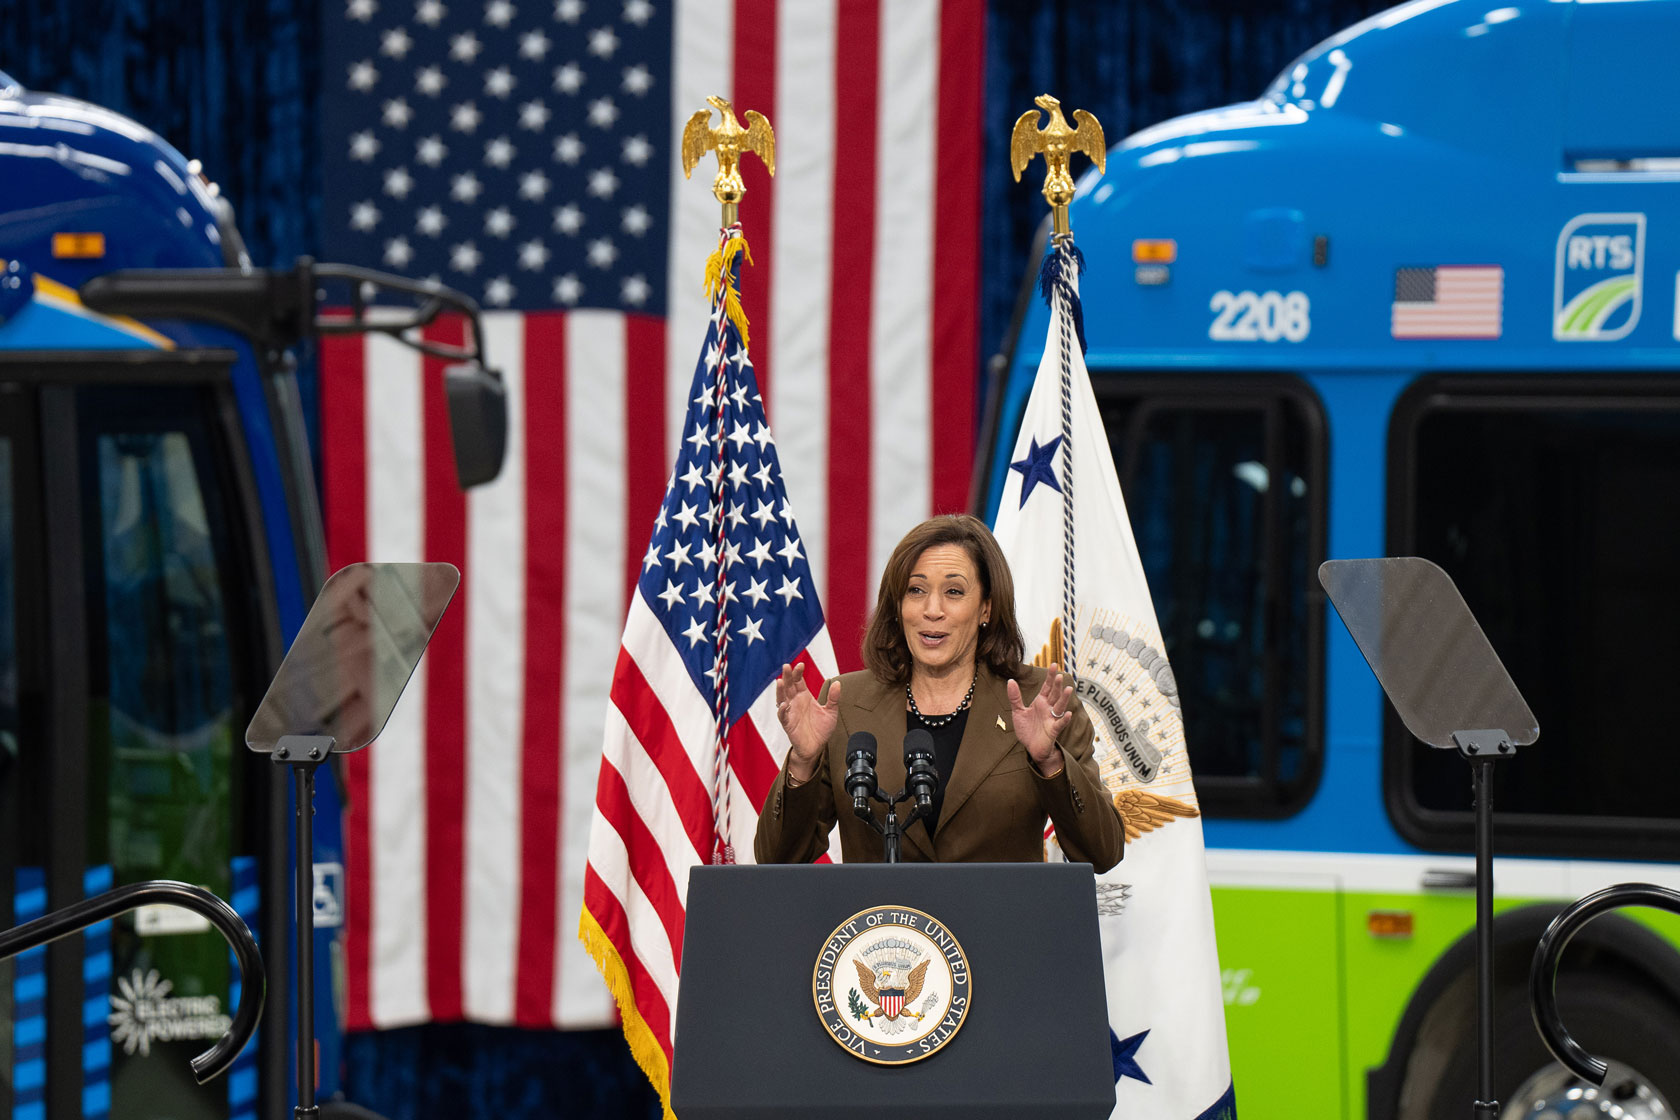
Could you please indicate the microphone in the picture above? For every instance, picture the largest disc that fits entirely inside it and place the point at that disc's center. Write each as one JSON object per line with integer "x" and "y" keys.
{"x": 860, "y": 770}
{"x": 921, "y": 776}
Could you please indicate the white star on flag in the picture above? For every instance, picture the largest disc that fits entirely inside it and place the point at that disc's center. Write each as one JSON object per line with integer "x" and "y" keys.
{"x": 465, "y": 117}
{"x": 568, "y": 78}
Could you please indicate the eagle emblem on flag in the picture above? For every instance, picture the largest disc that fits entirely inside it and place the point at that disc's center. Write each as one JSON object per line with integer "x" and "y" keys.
{"x": 1122, "y": 676}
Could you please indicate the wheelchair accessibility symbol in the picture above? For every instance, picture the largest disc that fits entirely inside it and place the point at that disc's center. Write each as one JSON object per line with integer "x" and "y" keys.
{"x": 329, "y": 895}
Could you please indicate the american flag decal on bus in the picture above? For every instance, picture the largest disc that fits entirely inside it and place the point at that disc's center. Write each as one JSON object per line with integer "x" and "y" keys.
{"x": 1448, "y": 301}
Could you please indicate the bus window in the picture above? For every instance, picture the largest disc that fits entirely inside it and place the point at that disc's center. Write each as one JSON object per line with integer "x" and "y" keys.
{"x": 1223, "y": 478}
{"x": 165, "y": 717}
{"x": 1551, "y": 503}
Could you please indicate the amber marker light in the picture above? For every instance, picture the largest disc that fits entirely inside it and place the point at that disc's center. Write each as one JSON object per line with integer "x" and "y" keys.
{"x": 1391, "y": 924}
{"x": 1159, "y": 250}
{"x": 78, "y": 246}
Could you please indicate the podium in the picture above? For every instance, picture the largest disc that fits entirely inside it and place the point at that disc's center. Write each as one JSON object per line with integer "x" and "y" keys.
{"x": 767, "y": 958}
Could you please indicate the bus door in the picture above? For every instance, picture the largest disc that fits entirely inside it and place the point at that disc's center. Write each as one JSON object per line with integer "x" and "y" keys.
{"x": 133, "y": 645}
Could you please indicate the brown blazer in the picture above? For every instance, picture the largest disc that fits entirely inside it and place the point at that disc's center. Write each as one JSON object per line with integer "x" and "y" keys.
{"x": 995, "y": 805}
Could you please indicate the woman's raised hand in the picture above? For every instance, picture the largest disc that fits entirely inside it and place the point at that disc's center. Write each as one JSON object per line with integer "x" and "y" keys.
{"x": 1039, "y": 723}
{"x": 808, "y": 724}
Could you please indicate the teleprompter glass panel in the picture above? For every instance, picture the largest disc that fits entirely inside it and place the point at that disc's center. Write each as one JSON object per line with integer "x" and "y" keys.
{"x": 354, "y": 654}
{"x": 1222, "y": 479}
{"x": 1551, "y": 506}
{"x": 1432, "y": 659}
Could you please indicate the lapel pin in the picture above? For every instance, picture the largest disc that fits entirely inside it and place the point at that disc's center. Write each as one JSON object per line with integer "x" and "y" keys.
{"x": 1001, "y": 725}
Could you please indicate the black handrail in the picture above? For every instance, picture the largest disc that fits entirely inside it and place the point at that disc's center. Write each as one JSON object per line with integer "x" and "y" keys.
{"x": 1542, "y": 977}
{"x": 102, "y": 907}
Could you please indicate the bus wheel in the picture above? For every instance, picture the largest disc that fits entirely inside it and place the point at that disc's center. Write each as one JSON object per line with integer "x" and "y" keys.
{"x": 1555, "y": 1092}
{"x": 1632, "y": 1028}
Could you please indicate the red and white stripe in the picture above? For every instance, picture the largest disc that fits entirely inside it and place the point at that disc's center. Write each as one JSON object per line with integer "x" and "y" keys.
{"x": 469, "y": 824}
{"x": 1469, "y": 303}
{"x": 654, "y": 799}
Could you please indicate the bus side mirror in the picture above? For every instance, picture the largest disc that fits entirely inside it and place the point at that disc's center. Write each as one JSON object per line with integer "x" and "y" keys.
{"x": 478, "y": 422}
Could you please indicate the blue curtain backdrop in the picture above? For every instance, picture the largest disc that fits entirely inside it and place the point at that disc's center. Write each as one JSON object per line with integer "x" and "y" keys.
{"x": 230, "y": 82}
{"x": 235, "y": 84}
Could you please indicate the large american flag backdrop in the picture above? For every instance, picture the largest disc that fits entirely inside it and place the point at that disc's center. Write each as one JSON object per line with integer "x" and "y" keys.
{"x": 526, "y": 153}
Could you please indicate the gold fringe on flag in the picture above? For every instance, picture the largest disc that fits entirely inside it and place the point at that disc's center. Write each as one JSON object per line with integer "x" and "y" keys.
{"x": 643, "y": 1046}
{"x": 720, "y": 274}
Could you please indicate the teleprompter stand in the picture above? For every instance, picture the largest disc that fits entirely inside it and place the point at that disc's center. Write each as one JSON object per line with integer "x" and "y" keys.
{"x": 303, "y": 755}
{"x": 1445, "y": 681}
{"x": 1034, "y": 1045}
{"x": 332, "y": 694}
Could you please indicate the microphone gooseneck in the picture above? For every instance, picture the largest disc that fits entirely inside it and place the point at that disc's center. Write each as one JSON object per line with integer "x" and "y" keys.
{"x": 921, "y": 775}
{"x": 860, "y": 770}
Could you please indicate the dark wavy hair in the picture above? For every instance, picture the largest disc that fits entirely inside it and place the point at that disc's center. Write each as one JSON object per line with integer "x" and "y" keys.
{"x": 886, "y": 651}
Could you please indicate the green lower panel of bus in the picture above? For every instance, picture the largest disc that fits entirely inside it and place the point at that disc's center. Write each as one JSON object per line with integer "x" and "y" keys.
{"x": 1316, "y": 982}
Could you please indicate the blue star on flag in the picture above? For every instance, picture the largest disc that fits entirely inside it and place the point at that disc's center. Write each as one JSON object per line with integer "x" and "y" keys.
{"x": 1038, "y": 466}
{"x": 1125, "y": 1057}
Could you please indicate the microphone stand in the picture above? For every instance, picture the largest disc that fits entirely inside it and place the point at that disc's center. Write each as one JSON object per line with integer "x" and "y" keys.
{"x": 892, "y": 833}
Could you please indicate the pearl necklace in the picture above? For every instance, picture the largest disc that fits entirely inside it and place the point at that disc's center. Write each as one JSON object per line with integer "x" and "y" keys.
{"x": 941, "y": 721}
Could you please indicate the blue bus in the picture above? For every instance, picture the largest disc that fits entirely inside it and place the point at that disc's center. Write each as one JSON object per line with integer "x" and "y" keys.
{"x": 160, "y": 543}
{"x": 1422, "y": 297}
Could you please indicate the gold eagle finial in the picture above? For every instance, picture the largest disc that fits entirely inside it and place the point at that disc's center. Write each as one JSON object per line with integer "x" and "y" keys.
{"x": 729, "y": 140}
{"x": 1058, "y": 142}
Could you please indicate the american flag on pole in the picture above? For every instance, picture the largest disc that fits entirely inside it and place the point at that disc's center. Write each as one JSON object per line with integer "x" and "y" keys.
{"x": 692, "y": 740}
{"x": 1448, "y": 301}
{"x": 525, "y": 152}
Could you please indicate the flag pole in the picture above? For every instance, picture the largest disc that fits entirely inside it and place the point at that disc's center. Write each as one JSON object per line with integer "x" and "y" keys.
{"x": 730, "y": 141}
{"x": 1058, "y": 280}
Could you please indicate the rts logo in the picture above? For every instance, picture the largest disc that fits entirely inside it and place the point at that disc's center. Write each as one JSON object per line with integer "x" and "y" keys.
{"x": 1600, "y": 277}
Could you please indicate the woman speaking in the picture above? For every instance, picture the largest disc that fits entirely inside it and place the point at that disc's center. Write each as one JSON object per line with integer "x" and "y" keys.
{"x": 1012, "y": 745}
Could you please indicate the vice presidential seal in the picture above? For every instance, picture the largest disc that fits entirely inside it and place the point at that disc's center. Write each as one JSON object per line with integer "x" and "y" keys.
{"x": 891, "y": 985}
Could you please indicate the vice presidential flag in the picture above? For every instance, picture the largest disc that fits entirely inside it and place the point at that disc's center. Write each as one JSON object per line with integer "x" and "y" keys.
{"x": 525, "y": 153}
{"x": 724, "y": 599}
{"x": 1083, "y": 603}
